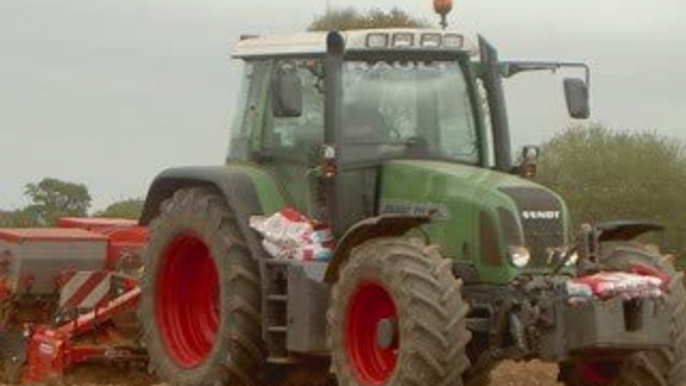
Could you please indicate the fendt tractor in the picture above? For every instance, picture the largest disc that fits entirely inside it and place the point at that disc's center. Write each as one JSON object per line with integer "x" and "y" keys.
{"x": 445, "y": 263}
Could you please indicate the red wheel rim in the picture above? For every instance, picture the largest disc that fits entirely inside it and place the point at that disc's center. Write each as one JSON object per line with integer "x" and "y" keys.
{"x": 599, "y": 373}
{"x": 369, "y": 305}
{"x": 186, "y": 300}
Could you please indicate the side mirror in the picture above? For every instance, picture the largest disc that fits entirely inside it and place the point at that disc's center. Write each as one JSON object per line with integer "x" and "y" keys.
{"x": 287, "y": 92}
{"x": 576, "y": 94}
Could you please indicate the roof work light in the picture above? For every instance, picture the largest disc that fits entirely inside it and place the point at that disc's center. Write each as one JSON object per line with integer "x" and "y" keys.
{"x": 443, "y": 8}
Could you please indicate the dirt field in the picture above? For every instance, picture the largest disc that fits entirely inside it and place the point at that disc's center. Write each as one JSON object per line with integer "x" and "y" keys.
{"x": 525, "y": 374}
{"x": 508, "y": 374}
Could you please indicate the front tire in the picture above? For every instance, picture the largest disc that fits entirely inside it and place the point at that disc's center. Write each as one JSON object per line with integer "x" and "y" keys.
{"x": 397, "y": 317}
{"x": 200, "y": 303}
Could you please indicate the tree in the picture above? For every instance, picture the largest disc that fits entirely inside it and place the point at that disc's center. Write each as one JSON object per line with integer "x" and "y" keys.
{"x": 609, "y": 175}
{"x": 52, "y": 199}
{"x": 349, "y": 18}
{"x": 21, "y": 218}
{"x": 130, "y": 208}
{"x": 5, "y": 219}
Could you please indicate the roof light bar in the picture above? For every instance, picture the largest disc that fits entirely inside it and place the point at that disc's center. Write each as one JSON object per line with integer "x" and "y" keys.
{"x": 407, "y": 40}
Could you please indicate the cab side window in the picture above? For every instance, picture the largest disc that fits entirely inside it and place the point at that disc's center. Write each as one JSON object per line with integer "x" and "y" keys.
{"x": 299, "y": 136}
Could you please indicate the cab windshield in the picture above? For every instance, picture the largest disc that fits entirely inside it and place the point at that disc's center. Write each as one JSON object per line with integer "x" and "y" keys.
{"x": 413, "y": 110}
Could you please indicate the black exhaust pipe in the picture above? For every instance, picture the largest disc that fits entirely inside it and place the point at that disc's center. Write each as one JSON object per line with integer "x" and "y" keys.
{"x": 493, "y": 83}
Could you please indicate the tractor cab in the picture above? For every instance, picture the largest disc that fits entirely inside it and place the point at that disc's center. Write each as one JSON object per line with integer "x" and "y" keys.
{"x": 371, "y": 96}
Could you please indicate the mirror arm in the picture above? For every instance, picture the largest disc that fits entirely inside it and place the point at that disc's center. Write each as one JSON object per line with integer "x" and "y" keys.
{"x": 512, "y": 68}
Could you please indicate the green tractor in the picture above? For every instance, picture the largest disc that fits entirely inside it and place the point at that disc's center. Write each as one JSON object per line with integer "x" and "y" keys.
{"x": 446, "y": 262}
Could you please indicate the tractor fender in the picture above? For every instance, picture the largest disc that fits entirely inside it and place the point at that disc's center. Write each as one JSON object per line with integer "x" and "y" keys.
{"x": 385, "y": 225}
{"x": 625, "y": 230}
{"x": 233, "y": 182}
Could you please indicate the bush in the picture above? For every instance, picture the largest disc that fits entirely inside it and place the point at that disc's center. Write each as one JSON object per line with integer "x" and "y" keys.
{"x": 130, "y": 208}
{"x": 349, "y": 18}
{"x": 609, "y": 175}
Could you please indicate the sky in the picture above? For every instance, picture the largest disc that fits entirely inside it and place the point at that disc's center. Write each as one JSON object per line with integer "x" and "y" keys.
{"x": 110, "y": 92}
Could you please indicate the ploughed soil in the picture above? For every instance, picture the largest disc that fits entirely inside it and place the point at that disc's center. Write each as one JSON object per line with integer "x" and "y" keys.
{"x": 525, "y": 374}
{"x": 507, "y": 374}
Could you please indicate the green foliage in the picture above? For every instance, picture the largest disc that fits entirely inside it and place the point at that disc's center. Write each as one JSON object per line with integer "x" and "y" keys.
{"x": 22, "y": 218}
{"x": 608, "y": 175}
{"x": 130, "y": 208}
{"x": 52, "y": 199}
{"x": 349, "y": 18}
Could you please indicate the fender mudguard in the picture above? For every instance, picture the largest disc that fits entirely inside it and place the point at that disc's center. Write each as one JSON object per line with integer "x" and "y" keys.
{"x": 625, "y": 230}
{"x": 385, "y": 225}
{"x": 236, "y": 183}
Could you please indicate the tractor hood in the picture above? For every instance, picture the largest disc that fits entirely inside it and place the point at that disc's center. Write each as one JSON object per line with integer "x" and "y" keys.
{"x": 480, "y": 214}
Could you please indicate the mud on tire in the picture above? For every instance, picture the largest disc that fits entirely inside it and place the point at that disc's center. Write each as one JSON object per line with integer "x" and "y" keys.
{"x": 412, "y": 285}
{"x": 200, "y": 305}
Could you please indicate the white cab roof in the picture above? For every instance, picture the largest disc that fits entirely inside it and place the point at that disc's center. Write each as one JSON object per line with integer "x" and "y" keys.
{"x": 314, "y": 43}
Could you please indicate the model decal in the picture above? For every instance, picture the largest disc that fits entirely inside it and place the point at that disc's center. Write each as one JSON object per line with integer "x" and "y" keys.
{"x": 434, "y": 210}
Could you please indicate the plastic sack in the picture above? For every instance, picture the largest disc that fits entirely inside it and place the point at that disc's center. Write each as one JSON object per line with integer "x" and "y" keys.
{"x": 288, "y": 234}
{"x": 606, "y": 285}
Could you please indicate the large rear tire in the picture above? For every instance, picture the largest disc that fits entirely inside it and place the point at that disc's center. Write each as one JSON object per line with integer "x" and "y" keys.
{"x": 665, "y": 367}
{"x": 397, "y": 317}
{"x": 200, "y": 304}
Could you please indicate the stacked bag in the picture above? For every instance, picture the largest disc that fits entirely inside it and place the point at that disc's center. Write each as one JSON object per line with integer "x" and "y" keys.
{"x": 288, "y": 234}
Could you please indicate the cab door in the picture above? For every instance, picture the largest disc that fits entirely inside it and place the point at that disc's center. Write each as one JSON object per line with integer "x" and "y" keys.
{"x": 292, "y": 138}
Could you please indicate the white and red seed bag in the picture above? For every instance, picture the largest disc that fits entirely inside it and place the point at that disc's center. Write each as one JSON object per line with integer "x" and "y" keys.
{"x": 288, "y": 234}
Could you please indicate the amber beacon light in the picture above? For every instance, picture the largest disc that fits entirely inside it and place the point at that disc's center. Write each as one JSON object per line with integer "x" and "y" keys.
{"x": 443, "y": 8}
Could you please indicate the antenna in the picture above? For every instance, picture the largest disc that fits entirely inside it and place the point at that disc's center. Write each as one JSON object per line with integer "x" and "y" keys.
{"x": 443, "y": 8}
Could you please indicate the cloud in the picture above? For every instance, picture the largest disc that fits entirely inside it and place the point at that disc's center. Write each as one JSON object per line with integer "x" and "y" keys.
{"x": 110, "y": 92}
